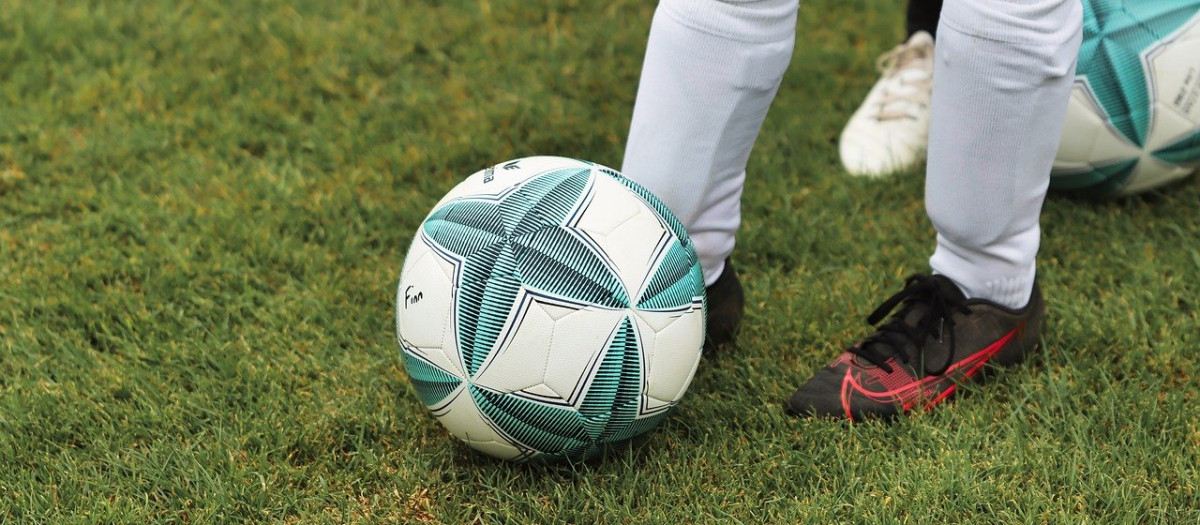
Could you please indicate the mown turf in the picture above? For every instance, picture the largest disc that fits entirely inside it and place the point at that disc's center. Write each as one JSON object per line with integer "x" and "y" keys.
{"x": 204, "y": 209}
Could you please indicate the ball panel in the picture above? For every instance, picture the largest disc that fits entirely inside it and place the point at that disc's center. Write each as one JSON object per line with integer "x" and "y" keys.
{"x": 617, "y": 207}
{"x": 486, "y": 295}
{"x": 562, "y": 263}
{"x": 1185, "y": 152}
{"x": 1152, "y": 173}
{"x": 624, "y": 229}
{"x": 1103, "y": 180}
{"x": 677, "y": 281}
{"x": 464, "y": 227}
{"x": 424, "y": 297}
{"x": 579, "y": 340}
{"x": 674, "y": 353}
{"x": 1176, "y": 73}
{"x": 521, "y": 362}
{"x": 608, "y": 409}
{"x": 539, "y": 391}
{"x": 1083, "y": 125}
{"x": 640, "y": 426}
{"x": 653, "y": 202}
{"x": 613, "y": 405}
{"x": 548, "y": 429}
{"x": 551, "y": 199}
{"x": 432, "y": 383}
{"x": 612, "y": 394}
{"x": 1173, "y": 129}
{"x": 465, "y": 422}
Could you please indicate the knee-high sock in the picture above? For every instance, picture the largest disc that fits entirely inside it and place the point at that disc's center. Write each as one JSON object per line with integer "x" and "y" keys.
{"x": 1001, "y": 82}
{"x": 711, "y": 70}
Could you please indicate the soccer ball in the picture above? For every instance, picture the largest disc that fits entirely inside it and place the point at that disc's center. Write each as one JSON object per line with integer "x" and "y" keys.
{"x": 1133, "y": 123}
{"x": 549, "y": 307}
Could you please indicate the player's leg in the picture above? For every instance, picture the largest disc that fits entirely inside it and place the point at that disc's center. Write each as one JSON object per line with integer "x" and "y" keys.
{"x": 890, "y": 130}
{"x": 711, "y": 70}
{"x": 1004, "y": 74}
{"x": 984, "y": 188}
{"x": 922, "y": 15}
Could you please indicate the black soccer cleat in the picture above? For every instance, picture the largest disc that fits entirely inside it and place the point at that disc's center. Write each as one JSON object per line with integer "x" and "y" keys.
{"x": 937, "y": 341}
{"x": 726, "y": 303}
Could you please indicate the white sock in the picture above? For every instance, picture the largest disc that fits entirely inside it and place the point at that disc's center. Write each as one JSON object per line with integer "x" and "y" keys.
{"x": 711, "y": 70}
{"x": 1001, "y": 82}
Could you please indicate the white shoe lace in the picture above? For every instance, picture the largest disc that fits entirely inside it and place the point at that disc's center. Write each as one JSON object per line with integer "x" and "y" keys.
{"x": 907, "y": 81}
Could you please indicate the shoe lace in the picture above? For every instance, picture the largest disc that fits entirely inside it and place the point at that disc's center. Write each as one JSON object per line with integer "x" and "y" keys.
{"x": 908, "y": 82}
{"x": 891, "y": 338}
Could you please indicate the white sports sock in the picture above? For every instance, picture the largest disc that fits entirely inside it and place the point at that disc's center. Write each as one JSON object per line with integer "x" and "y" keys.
{"x": 1001, "y": 82}
{"x": 711, "y": 70}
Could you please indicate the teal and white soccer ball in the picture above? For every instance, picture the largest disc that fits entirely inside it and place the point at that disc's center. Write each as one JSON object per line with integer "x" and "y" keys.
{"x": 549, "y": 307}
{"x": 1133, "y": 123}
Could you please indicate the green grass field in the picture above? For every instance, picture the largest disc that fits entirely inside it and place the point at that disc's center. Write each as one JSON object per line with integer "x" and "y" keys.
{"x": 204, "y": 211}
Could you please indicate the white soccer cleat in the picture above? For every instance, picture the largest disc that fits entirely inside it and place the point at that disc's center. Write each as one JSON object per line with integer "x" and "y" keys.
{"x": 890, "y": 131}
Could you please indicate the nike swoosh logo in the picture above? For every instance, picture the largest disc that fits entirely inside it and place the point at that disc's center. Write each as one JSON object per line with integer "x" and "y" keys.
{"x": 910, "y": 394}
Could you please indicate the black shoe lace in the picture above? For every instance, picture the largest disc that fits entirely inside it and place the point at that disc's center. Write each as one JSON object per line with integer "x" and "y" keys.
{"x": 891, "y": 338}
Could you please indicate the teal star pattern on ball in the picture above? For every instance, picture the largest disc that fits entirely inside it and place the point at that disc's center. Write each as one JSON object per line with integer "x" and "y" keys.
{"x": 608, "y": 413}
{"x": 518, "y": 246}
{"x": 519, "y": 237}
{"x": 1115, "y": 34}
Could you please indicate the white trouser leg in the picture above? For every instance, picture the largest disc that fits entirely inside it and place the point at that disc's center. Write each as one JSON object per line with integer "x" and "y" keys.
{"x": 1001, "y": 82}
{"x": 711, "y": 70}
